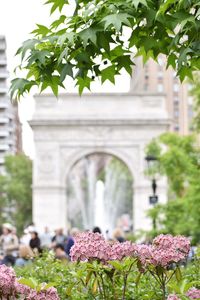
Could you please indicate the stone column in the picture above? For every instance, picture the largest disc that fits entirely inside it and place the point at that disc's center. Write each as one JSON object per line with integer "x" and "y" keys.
{"x": 49, "y": 207}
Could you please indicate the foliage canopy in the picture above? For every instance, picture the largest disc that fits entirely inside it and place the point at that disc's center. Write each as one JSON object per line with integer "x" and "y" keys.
{"x": 179, "y": 159}
{"x": 16, "y": 191}
{"x": 100, "y": 38}
{"x": 195, "y": 93}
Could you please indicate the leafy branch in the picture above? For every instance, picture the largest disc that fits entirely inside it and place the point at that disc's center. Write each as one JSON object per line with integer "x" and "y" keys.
{"x": 93, "y": 42}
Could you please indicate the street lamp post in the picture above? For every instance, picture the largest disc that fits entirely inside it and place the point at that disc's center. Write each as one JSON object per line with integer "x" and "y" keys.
{"x": 152, "y": 163}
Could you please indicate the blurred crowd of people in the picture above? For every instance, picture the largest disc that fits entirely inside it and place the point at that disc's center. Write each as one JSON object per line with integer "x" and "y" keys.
{"x": 20, "y": 251}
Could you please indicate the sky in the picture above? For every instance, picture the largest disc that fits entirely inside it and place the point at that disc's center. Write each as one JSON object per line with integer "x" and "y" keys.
{"x": 17, "y": 20}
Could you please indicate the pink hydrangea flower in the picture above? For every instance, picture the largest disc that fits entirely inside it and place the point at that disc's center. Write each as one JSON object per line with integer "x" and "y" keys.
{"x": 7, "y": 280}
{"x": 145, "y": 253}
{"x": 89, "y": 245}
{"x": 32, "y": 295}
{"x": 193, "y": 293}
{"x": 121, "y": 250}
{"x": 164, "y": 250}
{"x": 22, "y": 289}
{"x": 49, "y": 294}
{"x": 9, "y": 286}
{"x": 173, "y": 297}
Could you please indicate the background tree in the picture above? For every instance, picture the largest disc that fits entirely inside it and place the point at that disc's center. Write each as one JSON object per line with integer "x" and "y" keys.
{"x": 195, "y": 93}
{"x": 100, "y": 37}
{"x": 179, "y": 159}
{"x": 16, "y": 191}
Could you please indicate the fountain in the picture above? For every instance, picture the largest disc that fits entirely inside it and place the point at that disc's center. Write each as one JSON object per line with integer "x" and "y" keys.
{"x": 100, "y": 192}
{"x": 99, "y": 211}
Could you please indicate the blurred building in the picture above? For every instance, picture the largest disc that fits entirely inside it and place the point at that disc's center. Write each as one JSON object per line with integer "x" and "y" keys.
{"x": 153, "y": 77}
{"x": 10, "y": 128}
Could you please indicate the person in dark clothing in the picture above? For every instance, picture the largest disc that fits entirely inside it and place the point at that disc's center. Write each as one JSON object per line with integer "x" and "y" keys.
{"x": 68, "y": 245}
{"x": 60, "y": 253}
{"x": 118, "y": 235}
{"x": 35, "y": 242}
{"x": 70, "y": 240}
{"x": 96, "y": 229}
{"x": 59, "y": 238}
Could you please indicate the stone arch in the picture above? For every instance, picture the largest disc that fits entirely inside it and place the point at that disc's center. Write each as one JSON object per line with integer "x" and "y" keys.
{"x": 72, "y": 127}
{"x": 79, "y": 154}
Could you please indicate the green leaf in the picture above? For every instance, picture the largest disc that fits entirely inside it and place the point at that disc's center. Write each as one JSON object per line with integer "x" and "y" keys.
{"x": 41, "y": 30}
{"x": 145, "y": 55}
{"x": 50, "y": 284}
{"x": 137, "y": 2}
{"x": 117, "y": 20}
{"x": 58, "y": 22}
{"x": 184, "y": 72}
{"x": 63, "y": 54}
{"x": 117, "y": 265}
{"x": 96, "y": 70}
{"x": 103, "y": 41}
{"x": 57, "y": 4}
{"x": 53, "y": 82}
{"x": 39, "y": 56}
{"x": 149, "y": 43}
{"x": 174, "y": 287}
{"x": 66, "y": 70}
{"x": 134, "y": 39}
{"x": 165, "y": 6}
{"x": 88, "y": 277}
{"x": 33, "y": 71}
{"x": 95, "y": 286}
{"x": 32, "y": 283}
{"x": 125, "y": 62}
{"x": 108, "y": 74}
{"x": 171, "y": 61}
{"x": 83, "y": 83}
{"x": 19, "y": 86}
{"x": 184, "y": 17}
{"x": 137, "y": 280}
{"x": 178, "y": 274}
{"x": 117, "y": 51}
{"x": 83, "y": 57}
{"x": 69, "y": 289}
{"x": 89, "y": 34}
{"x": 67, "y": 37}
{"x": 27, "y": 45}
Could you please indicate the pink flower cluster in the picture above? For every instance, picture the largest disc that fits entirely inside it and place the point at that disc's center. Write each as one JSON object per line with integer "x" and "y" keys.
{"x": 9, "y": 286}
{"x": 121, "y": 250}
{"x": 49, "y": 294}
{"x": 164, "y": 250}
{"x": 193, "y": 293}
{"x": 22, "y": 289}
{"x": 7, "y": 280}
{"x": 30, "y": 294}
{"x": 173, "y": 297}
{"x": 89, "y": 246}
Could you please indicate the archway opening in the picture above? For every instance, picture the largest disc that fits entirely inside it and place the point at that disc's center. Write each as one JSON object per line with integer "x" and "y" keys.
{"x": 100, "y": 193}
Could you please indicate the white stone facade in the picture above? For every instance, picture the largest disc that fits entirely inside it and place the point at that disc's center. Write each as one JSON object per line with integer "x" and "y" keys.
{"x": 68, "y": 128}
